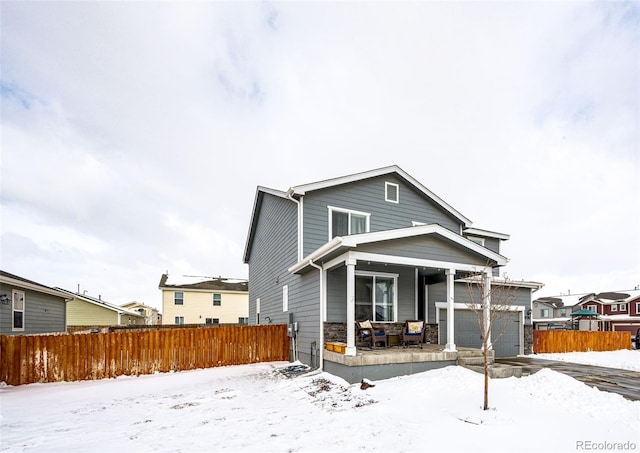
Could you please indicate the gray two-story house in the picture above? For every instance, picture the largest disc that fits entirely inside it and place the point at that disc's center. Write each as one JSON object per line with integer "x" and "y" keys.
{"x": 376, "y": 246}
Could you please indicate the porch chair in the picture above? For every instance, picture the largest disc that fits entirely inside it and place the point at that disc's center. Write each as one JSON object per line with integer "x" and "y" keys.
{"x": 369, "y": 334}
{"x": 413, "y": 332}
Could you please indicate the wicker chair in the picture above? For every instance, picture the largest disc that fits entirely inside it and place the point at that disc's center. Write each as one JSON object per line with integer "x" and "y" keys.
{"x": 413, "y": 332}
{"x": 371, "y": 335}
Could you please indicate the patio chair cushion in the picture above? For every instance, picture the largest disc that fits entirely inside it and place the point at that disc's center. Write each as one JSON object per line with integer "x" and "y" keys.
{"x": 414, "y": 328}
{"x": 365, "y": 324}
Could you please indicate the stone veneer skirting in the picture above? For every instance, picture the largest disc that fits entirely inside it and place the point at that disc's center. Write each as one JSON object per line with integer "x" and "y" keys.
{"x": 337, "y": 331}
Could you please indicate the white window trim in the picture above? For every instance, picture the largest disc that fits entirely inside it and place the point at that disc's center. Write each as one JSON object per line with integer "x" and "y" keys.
{"x": 15, "y": 293}
{"x": 213, "y": 298}
{"x": 177, "y": 319}
{"x": 367, "y": 216}
{"x": 614, "y": 307}
{"x": 395, "y": 292}
{"x": 386, "y": 192}
{"x": 623, "y": 307}
{"x": 593, "y": 308}
{"x": 285, "y": 298}
{"x": 637, "y": 307}
{"x": 174, "y": 297}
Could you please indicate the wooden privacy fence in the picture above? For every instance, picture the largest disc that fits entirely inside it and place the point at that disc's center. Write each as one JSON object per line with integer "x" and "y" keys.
{"x": 548, "y": 341}
{"x": 26, "y": 359}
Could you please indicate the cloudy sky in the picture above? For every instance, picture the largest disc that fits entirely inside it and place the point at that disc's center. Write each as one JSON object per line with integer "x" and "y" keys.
{"x": 134, "y": 134}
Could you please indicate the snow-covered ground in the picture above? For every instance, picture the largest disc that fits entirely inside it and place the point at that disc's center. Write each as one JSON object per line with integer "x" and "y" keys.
{"x": 256, "y": 408}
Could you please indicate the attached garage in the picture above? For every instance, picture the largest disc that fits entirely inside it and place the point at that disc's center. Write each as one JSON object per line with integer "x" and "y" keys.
{"x": 467, "y": 331}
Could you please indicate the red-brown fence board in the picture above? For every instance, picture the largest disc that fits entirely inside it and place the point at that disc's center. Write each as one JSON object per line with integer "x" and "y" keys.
{"x": 26, "y": 359}
{"x": 551, "y": 341}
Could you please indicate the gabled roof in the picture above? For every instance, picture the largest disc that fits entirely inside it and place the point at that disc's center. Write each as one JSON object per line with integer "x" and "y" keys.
{"x": 303, "y": 189}
{"x": 11, "y": 279}
{"x": 195, "y": 283}
{"x": 101, "y": 303}
{"x": 340, "y": 244}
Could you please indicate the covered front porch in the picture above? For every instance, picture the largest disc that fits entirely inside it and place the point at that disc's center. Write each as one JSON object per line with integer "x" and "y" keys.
{"x": 389, "y": 277}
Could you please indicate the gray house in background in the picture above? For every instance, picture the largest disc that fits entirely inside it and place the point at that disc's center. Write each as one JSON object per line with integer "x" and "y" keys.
{"x": 376, "y": 245}
{"x": 27, "y": 307}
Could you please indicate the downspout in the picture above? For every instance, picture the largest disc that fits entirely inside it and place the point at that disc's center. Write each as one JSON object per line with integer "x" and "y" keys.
{"x": 321, "y": 346}
{"x": 297, "y": 202}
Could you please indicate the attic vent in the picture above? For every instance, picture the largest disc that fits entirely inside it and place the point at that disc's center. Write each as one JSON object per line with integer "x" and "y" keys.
{"x": 391, "y": 192}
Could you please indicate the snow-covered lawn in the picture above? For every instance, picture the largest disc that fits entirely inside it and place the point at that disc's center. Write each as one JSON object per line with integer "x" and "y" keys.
{"x": 256, "y": 408}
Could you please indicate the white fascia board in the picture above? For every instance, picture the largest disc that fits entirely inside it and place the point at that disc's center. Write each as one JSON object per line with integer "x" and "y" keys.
{"x": 416, "y": 262}
{"x": 499, "y": 281}
{"x": 462, "y": 306}
{"x": 35, "y": 287}
{"x": 486, "y": 233}
{"x": 302, "y": 189}
{"x": 326, "y": 248}
{"x": 399, "y": 233}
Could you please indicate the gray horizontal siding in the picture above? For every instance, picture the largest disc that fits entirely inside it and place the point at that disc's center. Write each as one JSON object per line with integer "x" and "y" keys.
{"x": 438, "y": 293}
{"x": 274, "y": 249}
{"x": 44, "y": 313}
{"x": 425, "y": 247}
{"x": 369, "y": 196}
{"x": 337, "y": 292}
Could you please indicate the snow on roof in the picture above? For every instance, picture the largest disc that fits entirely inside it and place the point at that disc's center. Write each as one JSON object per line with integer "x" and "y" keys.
{"x": 177, "y": 280}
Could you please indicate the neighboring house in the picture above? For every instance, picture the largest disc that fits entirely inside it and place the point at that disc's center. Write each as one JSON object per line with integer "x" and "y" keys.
{"x": 204, "y": 300}
{"x": 375, "y": 245}
{"x": 27, "y": 307}
{"x": 83, "y": 310}
{"x": 619, "y": 310}
{"x": 554, "y": 312}
{"x": 152, "y": 317}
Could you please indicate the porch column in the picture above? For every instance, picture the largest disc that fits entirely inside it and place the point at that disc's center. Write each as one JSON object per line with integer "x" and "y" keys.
{"x": 451, "y": 345}
{"x": 351, "y": 307}
{"x": 486, "y": 297}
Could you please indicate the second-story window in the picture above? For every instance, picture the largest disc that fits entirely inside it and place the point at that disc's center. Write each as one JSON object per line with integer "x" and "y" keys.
{"x": 343, "y": 222}
{"x": 178, "y": 298}
{"x": 217, "y": 300}
{"x": 623, "y": 307}
{"x": 544, "y": 313}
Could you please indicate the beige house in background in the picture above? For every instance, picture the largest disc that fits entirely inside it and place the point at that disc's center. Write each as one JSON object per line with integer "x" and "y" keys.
{"x": 151, "y": 314}
{"x": 204, "y": 300}
{"x": 83, "y": 310}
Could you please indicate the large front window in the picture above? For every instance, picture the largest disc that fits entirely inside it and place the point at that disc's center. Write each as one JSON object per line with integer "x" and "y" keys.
{"x": 376, "y": 297}
{"x": 344, "y": 222}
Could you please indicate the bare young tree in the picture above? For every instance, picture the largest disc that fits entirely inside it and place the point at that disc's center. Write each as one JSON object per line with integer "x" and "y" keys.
{"x": 491, "y": 300}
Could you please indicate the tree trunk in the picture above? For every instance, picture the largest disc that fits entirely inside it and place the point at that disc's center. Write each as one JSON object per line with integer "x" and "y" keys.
{"x": 485, "y": 354}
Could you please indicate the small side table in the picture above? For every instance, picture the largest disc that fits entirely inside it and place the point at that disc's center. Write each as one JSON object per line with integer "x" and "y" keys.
{"x": 393, "y": 340}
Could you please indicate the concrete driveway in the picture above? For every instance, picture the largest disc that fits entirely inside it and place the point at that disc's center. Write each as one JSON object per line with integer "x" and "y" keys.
{"x": 622, "y": 382}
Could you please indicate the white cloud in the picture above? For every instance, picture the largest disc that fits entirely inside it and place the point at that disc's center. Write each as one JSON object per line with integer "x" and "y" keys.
{"x": 523, "y": 116}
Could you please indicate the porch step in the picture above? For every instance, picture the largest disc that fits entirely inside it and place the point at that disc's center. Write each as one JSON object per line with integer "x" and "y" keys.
{"x": 497, "y": 370}
{"x": 473, "y": 361}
